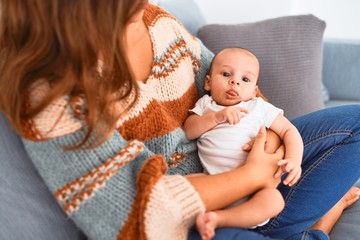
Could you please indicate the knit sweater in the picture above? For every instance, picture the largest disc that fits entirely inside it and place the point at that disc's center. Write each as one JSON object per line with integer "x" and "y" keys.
{"x": 131, "y": 186}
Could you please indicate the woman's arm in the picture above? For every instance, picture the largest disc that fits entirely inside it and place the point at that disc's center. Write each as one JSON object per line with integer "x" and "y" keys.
{"x": 220, "y": 190}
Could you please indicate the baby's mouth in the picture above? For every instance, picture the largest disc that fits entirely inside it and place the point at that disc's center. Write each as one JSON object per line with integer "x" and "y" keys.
{"x": 232, "y": 93}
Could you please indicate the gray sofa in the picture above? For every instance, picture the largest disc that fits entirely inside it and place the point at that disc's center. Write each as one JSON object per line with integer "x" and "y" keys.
{"x": 29, "y": 211}
{"x": 341, "y": 69}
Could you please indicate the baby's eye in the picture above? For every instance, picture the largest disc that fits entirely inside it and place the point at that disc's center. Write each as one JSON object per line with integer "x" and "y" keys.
{"x": 226, "y": 74}
{"x": 246, "y": 79}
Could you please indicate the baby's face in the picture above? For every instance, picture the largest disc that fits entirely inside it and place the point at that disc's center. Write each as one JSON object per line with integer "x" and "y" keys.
{"x": 233, "y": 77}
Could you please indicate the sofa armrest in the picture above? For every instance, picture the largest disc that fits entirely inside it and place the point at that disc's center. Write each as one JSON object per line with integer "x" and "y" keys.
{"x": 341, "y": 69}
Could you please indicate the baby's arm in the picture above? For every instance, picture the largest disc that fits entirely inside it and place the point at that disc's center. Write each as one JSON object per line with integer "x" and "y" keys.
{"x": 294, "y": 148}
{"x": 196, "y": 125}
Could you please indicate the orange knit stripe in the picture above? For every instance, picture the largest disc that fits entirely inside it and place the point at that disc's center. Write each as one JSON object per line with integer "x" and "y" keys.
{"x": 29, "y": 131}
{"x": 77, "y": 192}
{"x": 173, "y": 113}
{"x": 152, "y": 170}
{"x": 153, "y": 13}
{"x": 76, "y": 104}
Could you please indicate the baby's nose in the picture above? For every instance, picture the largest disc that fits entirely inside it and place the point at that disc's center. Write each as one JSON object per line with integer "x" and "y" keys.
{"x": 234, "y": 82}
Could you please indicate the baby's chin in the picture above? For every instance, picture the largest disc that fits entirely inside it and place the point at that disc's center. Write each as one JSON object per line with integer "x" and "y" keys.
{"x": 228, "y": 102}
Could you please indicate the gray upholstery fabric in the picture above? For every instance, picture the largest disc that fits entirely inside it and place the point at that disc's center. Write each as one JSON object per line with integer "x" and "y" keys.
{"x": 335, "y": 103}
{"x": 348, "y": 225}
{"x": 290, "y": 54}
{"x": 27, "y": 208}
{"x": 341, "y": 71}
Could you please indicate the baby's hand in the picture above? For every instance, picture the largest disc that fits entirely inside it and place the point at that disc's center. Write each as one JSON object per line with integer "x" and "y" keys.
{"x": 232, "y": 115}
{"x": 293, "y": 170}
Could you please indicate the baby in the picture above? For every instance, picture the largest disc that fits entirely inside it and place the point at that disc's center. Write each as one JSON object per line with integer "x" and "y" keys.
{"x": 225, "y": 122}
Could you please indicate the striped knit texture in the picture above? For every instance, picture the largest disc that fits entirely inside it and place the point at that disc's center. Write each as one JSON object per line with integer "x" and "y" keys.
{"x": 131, "y": 186}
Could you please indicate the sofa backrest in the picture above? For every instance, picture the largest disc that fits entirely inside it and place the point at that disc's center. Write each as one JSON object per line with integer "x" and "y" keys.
{"x": 27, "y": 208}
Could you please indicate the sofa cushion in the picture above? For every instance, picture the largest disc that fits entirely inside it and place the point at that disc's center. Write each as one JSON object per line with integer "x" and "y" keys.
{"x": 342, "y": 69}
{"x": 290, "y": 54}
{"x": 27, "y": 208}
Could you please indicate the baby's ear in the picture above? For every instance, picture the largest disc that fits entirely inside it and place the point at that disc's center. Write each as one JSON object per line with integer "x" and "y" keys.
{"x": 256, "y": 89}
{"x": 259, "y": 94}
{"x": 207, "y": 83}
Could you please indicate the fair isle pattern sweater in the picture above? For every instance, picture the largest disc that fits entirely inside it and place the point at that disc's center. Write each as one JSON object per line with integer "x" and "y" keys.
{"x": 130, "y": 187}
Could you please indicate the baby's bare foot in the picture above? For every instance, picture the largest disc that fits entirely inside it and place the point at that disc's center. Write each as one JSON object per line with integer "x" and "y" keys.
{"x": 327, "y": 222}
{"x": 206, "y": 224}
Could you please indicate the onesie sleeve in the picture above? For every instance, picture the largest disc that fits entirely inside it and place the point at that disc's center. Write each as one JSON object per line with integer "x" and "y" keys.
{"x": 200, "y": 105}
{"x": 270, "y": 112}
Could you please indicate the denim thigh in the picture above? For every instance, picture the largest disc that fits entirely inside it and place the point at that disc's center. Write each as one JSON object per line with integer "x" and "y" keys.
{"x": 331, "y": 165}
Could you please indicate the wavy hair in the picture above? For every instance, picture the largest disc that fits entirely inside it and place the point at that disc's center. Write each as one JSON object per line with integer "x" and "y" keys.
{"x": 60, "y": 42}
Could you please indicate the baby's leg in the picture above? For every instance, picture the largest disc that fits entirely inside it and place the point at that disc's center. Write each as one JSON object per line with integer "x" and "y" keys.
{"x": 263, "y": 205}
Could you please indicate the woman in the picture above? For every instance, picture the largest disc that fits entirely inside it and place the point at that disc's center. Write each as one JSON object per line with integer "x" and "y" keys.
{"x": 99, "y": 90}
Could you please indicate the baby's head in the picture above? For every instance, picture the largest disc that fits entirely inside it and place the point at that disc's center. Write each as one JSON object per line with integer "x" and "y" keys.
{"x": 233, "y": 76}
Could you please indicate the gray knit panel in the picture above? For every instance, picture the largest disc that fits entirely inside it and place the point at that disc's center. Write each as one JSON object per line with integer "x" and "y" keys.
{"x": 102, "y": 216}
{"x": 206, "y": 57}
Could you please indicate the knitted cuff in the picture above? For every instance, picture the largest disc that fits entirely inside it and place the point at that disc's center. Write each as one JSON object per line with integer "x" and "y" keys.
{"x": 173, "y": 212}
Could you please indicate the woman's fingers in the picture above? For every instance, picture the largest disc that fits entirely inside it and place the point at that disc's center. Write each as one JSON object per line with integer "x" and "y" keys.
{"x": 247, "y": 147}
{"x": 273, "y": 142}
{"x": 264, "y": 164}
{"x": 260, "y": 139}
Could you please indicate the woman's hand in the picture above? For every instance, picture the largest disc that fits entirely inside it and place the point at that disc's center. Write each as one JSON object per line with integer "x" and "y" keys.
{"x": 262, "y": 164}
{"x": 273, "y": 142}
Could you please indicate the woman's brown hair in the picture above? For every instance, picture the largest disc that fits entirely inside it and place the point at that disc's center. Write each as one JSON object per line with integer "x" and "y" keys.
{"x": 60, "y": 42}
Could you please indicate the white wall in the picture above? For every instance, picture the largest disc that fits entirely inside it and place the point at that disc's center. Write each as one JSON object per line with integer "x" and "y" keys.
{"x": 239, "y": 11}
{"x": 342, "y": 17}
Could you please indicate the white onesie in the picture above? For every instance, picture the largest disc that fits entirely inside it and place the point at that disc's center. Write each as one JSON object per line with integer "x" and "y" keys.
{"x": 220, "y": 149}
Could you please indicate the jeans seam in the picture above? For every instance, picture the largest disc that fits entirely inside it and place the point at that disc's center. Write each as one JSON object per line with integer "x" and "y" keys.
{"x": 303, "y": 237}
{"x": 328, "y": 134}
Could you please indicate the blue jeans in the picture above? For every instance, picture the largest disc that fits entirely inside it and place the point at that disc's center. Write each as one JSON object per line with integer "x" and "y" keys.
{"x": 331, "y": 165}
